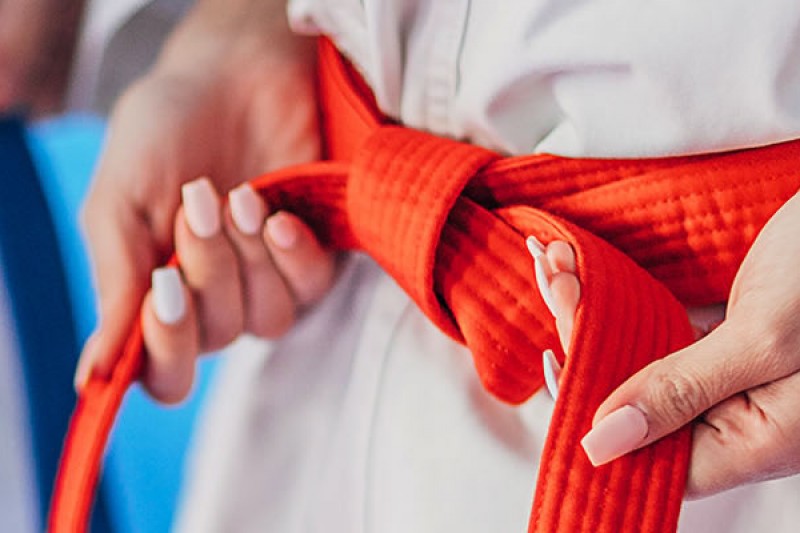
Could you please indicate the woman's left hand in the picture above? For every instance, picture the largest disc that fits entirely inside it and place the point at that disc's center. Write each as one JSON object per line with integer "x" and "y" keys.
{"x": 739, "y": 386}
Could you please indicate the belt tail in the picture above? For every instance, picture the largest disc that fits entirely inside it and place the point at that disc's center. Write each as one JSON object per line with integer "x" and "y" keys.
{"x": 89, "y": 429}
{"x": 625, "y": 320}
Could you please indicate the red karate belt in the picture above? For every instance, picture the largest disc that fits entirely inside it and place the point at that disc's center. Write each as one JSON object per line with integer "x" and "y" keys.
{"x": 448, "y": 221}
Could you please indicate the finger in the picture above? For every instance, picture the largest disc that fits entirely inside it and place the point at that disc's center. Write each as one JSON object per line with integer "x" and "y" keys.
{"x": 308, "y": 269}
{"x": 209, "y": 265}
{"x": 566, "y": 291}
{"x": 122, "y": 254}
{"x": 749, "y": 438}
{"x": 561, "y": 256}
{"x": 673, "y": 391}
{"x": 169, "y": 326}
{"x": 269, "y": 305}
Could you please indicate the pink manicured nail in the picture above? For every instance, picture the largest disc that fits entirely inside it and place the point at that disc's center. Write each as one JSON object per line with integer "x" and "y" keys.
{"x": 201, "y": 207}
{"x": 81, "y": 376}
{"x": 542, "y": 272}
{"x": 84, "y": 370}
{"x": 552, "y": 372}
{"x": 282, "y": 232}
{"x": 169, "y": 302}
{"x": 247, "y": 209}
{"x": 615, "y": 435}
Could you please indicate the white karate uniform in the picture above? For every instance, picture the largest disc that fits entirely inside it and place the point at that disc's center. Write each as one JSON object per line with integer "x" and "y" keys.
{"x": 365, "y": 417}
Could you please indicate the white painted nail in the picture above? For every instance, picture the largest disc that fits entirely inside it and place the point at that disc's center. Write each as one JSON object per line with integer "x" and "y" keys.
{"x": 542, "y": 271}
{"x": 169, "y": 302}
{"x": 535, "y": 247}
{"x": 247, "y": 209}
{"x": 552, "y": 372}
{"x": 201, "y": 207}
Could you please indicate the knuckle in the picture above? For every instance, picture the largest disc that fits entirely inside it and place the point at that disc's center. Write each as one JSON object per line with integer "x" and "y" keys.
{"x": 224, "y": 332}
{"x": 676, "y": 397}
{"x": 276, "y": 325}
{"x": 777, "y": 348}
{"x": 271, "y": 307}
{"x": 316, "y": 289}
{"x": 318, "y": 281}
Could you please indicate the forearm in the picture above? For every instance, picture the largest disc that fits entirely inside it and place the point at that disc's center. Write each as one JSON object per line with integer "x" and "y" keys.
{"x": 230, "y": 29}
{"x": 238, "y": 13}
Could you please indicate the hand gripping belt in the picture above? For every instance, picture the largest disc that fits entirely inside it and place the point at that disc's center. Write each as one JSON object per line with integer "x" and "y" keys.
{"x": 448, "y": 221}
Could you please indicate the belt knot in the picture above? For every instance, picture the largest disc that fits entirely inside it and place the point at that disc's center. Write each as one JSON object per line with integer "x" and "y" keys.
{"x": 401, "y": 188}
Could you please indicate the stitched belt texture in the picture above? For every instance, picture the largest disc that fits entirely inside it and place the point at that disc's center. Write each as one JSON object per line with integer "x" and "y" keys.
{"x": 448, "y": 221}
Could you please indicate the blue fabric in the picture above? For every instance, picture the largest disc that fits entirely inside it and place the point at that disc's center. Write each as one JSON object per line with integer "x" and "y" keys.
{"x": 146, "y": 457}
{"x": 40, "y": 308}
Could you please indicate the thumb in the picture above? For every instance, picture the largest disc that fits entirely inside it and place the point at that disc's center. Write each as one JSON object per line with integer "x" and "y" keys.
{"x": 747, "y": 438}
{"x": 673, "y": 391}
{"x": 123, "y": 254}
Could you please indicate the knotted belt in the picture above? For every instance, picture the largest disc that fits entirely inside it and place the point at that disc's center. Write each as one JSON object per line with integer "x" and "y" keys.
{"x": 448, "y": 221}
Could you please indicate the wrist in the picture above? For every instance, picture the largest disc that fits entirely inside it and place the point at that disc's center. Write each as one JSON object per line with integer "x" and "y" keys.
{"x": 224, "y": 38}
{"x": 225, "y": 29}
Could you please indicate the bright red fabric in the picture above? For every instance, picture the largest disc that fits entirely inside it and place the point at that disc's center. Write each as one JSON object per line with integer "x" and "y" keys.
{"x": 448, "y": 221}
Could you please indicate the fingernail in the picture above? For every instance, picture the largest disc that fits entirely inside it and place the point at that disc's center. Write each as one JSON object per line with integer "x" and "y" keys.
{"x": 615, "y": 435}
{"x": 201, "y": 207}
{"x": 81, "y": 376}
{"x": 247, "y": 209}
{"x": 84, "y": 370}
{"x": 552, "y": 372}
{"x": 169, "y": 302}
{"x": 542, "y": 271}
{"x": 535, "y": 247}
{"x": 282, "y": 232}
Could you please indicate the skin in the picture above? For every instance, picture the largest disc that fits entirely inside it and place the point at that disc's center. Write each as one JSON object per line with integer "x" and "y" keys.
{"x": 738, "y": 385}
{"x": 214, "y": 105}
{"x": 37, "y": 41}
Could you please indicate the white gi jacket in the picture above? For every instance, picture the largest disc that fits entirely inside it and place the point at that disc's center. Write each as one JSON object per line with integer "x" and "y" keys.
{"x": 366, "y": 418}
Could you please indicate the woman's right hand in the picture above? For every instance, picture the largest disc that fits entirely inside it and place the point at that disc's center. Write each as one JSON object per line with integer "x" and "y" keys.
{"x": 232, "y": 96}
